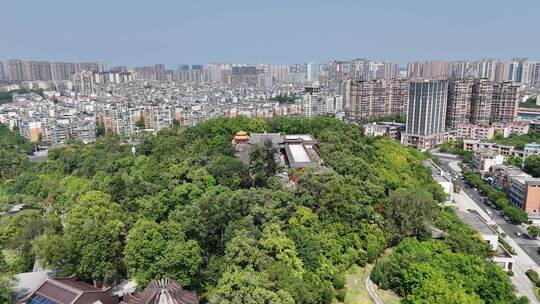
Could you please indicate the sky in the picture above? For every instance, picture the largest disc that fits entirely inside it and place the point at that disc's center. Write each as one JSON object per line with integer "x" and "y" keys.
{"x": 137, "y": 33}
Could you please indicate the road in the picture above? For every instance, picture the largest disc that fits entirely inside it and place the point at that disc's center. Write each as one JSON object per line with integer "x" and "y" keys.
{"x": 529, "y": 246}
{"x": 526, "y": 256}
{"x": 371, "y": 291}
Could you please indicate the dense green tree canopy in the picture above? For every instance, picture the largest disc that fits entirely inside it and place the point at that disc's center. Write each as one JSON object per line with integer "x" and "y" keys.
{"x": 185, "y": 207}
{"x": 532, "y": 165}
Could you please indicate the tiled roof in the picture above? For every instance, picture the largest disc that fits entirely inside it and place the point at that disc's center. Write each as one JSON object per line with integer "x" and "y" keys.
{"x": 162, "y": 291}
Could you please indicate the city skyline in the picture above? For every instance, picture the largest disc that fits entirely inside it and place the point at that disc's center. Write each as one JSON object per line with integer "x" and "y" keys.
{"x": 245, "y": 32}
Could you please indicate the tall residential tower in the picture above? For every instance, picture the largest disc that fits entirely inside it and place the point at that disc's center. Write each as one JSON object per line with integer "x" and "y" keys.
{"x": 426, "y": 113}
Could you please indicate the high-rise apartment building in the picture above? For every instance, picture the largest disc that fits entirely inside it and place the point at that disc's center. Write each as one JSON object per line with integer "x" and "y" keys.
{"x": 155, "y": 72}
{"x": 20, "y": 70}
{"x": 264, "y": 81}
{"x": 515, "y": 71}
{"x": 505, "y": 102}
{"x": 336, "y": 72}
{"x": 83, "y": 82}
{"x": 313, "y": 71}
{"x": 375, "y": 98}
{"x": 364, "y": 69}
{"x": 457, "y": 69}
{"x": 428, "y": 70}
{"x": 15, "y": 70}
{"x": 414, "y": 70}
{"x": 2, "y": 77}
{"x": 531, "y": 73}
{"x": 390, "y": 70}
{"x": 459, "y": 102}
{"x": 158, "y": 117}
{"x": 182, "y": 72}
{"x": 426, "y": 113}
{"x": 481, "y": 101}
{"x": 500, "y": 71}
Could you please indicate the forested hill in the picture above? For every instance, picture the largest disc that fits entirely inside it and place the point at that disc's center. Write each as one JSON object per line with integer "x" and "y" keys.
{"x": 185, "y": 208}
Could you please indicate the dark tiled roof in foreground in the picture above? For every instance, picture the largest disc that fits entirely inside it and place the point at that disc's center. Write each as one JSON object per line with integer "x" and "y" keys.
{"x": 162, "y": 291}
{"x": 69, "y": 291}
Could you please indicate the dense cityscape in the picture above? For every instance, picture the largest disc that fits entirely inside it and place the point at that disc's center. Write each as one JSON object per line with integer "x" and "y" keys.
{"x": 75, "y": 98}
{"x": 278, "y": 152}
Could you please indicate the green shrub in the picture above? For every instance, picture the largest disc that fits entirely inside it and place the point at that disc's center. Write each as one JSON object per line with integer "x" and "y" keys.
{"x": 533, "y": 276}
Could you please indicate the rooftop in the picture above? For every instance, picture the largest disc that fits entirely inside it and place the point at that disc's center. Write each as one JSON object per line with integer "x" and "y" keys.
{"x": 260, "y": 138}
{"x": 70, "y": 291}
{"x": 162, "y": 291}
{"x": 476, "y": 222}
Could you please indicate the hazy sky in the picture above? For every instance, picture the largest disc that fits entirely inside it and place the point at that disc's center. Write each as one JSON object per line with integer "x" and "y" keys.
{"x": 270, "y": 31}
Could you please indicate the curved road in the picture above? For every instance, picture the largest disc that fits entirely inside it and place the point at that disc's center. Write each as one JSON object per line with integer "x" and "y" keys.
{"x": 371, "y": 290}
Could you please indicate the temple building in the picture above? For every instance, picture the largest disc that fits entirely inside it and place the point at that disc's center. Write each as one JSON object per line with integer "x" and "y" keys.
{"x": 241, "y": 137}
{"x": 294, "y": 151}
{"x": 163, "y": 291}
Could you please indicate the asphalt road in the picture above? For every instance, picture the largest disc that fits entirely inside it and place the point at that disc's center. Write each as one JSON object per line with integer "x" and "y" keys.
{"x": 529, "y": 246}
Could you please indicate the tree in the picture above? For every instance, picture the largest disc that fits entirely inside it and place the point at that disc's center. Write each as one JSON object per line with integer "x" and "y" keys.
{"x": 92, "y": 240}
{"x": 140, "y": 123}
{"x": 145, "y": 243}
{"x": 161, "y": 251}
{"x": 533, "y": 231}
{"x": 516, "y": 215}
{"x": 532, "y": 165}
{"x": 7, "y": 282}
{"x": 100, "y": 130}
{"x": 279, "y": 246}
{"x": 440, "y": 291}
{"x": 230, "y": 171}
{"x": 243, "y": 251}
{"x": 263, "y": 163}
{"x": 249, "y": 287}
{"x": 409, "y": 212}
{"x": 515, "y": 160}
{"x": 430, "y": 272}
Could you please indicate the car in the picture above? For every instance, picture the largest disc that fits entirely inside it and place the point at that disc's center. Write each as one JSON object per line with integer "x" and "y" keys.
{"x": 517, "y": 233}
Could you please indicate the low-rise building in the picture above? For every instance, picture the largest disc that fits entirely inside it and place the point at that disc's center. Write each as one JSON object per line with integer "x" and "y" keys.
{"x": 486, "y": 132}
{"x": 390, "y": 129}
{"x": 524, "y": 193}
{"x": 523, "y": 190}
{"x": 530, "y": 149}
{"x": 476, "y": 144}
{"x": 472, "y": 131}
{"x": 499, "y": 175}
{"x": 484, "y": 160}
{"x": 516, "y": 127}
{"x": 475, "y": 221}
